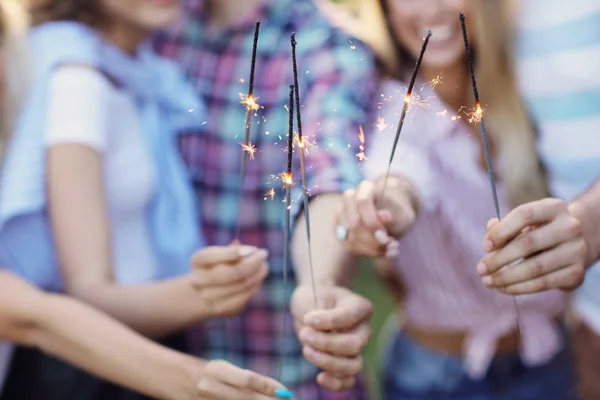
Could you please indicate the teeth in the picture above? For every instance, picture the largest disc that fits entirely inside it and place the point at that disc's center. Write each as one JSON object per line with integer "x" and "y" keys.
{"x": 441, "y": 32}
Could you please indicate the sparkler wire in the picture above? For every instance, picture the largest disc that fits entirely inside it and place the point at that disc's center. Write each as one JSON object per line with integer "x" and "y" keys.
{"x": 287, "y": 224}
{"x": 411, "y": 86}
{"x": 249, "y": 111}
{"x": 305, "y": 194}
{"x": 486, "y": 147}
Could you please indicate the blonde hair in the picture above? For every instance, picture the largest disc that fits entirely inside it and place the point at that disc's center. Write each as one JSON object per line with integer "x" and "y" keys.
{"x": 15, "y": 71}
{"x": 507, "y": 120}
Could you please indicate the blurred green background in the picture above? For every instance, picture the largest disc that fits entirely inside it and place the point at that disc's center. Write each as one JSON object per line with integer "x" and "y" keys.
{"x": 368, "y": 284}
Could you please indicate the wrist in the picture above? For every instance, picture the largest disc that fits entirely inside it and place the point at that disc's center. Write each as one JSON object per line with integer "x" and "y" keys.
{"x": 188, "y": 372}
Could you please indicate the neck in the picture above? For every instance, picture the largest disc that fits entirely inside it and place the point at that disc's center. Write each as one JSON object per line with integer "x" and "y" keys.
{"x": 125, "y": 37}
{"x": 225, "y": 12}
{"x": 453, "y": 88}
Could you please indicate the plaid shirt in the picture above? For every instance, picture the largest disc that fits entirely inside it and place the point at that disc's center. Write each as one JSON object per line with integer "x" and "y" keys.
{"x": 337, "y": 79}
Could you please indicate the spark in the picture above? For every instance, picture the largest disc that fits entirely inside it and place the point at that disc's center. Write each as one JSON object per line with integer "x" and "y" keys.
{"x": 270, "y": 193}
{"x": 435, "y": 81}
{"x": 249, "y": 148}
{"x": 250, "y": 102}
{"x": 361, "y": 136}
{"x": 286, "y": 178}
{"x": 381, "y": 125}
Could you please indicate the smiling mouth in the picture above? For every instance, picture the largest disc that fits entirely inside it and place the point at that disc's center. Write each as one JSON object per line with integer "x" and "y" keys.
{"x": 440, "y": 33}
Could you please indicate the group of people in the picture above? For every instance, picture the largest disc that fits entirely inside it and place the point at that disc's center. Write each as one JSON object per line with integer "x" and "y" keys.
{"x": 119, "y": 191}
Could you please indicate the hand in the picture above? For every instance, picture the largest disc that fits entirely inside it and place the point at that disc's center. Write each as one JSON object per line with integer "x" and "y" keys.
{"x": 333, "y": 337}
{"x": 228, "y": 277}
{"x": 224, "y": 381}
{"x": 545, "y": 243}
{"x": 369, "y": 229}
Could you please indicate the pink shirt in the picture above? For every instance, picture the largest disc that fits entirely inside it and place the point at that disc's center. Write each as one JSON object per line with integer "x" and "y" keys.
{"x": 438, "y": 256}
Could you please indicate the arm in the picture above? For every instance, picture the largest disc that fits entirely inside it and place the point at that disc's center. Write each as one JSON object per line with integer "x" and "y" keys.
{"x": 586, "y": 208}
{"x": 79, "y": 217}
{"x": 87, "y": 338}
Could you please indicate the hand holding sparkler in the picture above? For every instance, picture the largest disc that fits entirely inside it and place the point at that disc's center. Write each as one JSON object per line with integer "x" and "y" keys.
{"x": 334, "y": 336}
{"x": 227, "y": 278}
{"x": 545, "y": 240}
{"x": 372, "y": 225}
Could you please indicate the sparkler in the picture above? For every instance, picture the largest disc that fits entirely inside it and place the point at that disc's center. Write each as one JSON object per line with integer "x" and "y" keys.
{"x": 478, "y": 117}
{"x": 305, "y": 194}
{"x": 407, "y": 98}
{"x": 251, "y": 106}
{"x": 287, "y": 181}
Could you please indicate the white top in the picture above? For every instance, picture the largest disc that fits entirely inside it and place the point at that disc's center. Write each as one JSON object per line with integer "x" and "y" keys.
{"x": 87, "y": 109}
{"x": 558, "y": 59}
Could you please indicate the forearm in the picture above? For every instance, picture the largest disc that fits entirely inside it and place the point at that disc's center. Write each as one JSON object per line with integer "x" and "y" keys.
{"x": 155, "y": 309}
{"x": 586, "y": 208}
{"x": 100, "y": 345}
{"x": 332, "y": 264}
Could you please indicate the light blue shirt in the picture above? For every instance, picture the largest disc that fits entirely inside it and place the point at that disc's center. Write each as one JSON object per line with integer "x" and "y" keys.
{"x": 164, "y": 100}
{"x": 559, "y": 74}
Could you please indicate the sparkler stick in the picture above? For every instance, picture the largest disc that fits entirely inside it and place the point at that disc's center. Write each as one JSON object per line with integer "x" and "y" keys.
{"x": 251, "y": 106}
{"x": 486, "y": 147}
{"x": 305, "y": 193}
{"x": 411, "y": 85}
{"x": 287, "y": 181}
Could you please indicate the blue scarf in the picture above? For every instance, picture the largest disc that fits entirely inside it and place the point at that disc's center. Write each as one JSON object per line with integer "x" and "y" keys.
{"x": 167, "y": 104}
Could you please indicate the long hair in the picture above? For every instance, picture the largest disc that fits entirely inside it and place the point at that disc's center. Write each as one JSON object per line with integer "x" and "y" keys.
{"x": 507, "y": 120}
{"x": 14, "y": 77}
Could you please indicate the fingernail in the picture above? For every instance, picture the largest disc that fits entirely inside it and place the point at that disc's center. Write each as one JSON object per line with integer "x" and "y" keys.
{"x": 314, "y": 322}
{"x": 307, "y": 335}
{"x": 487, "y": 280}
{"x": 482, "y": 268}
{"x": 244, "y": 251}
{"x": 382, "y": 237}
{"x": 283, "y": 393}
{"x": 310, "y": 352}
{"x": 392, "y": 250}
{"x": 264, "y": 253}
{"x": 385, "y": 214}
{"x": 488, "y": 246}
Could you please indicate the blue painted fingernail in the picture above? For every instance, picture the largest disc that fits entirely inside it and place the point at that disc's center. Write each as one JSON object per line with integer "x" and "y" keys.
{"x": 283, "y": 394}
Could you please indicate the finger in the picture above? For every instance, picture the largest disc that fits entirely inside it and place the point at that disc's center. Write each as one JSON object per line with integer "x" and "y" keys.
{"x": 335, "y": 384}
{"x": 531, "y": 242}
{"x": 336, "y": 365}
{"x": 491, "y": 223}
{"x": 211, "y": 255}
{"x": 227, "y": 274}
{"x": 569, "y": 253}
{"x": 223, "y": 291}
{"x": 537, "y": 212}
{"x": 359, "y": 241}
{"x": 242, "y": 378}
{"x": 566, "y": 278}
{"x": 347, "y": 314}
{"x": 347, "y": 344}
{"x": 365, "y": 206}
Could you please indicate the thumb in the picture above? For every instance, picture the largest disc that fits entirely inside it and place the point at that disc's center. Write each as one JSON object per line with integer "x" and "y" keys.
{"x": 213, "y": 255}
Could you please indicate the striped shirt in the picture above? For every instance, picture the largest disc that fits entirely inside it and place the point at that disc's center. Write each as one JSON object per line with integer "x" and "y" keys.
{"x": 336, "y": 79}
{"x": 559, "y": 74}
{"x": 438, "y": 255}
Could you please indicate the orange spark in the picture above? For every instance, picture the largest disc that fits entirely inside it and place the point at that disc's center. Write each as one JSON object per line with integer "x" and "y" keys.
{"x": 249, "y": 102}
{"x": 361, "y": 136}
{"x": 270, "y": 193}
{"x": 435, "y": 81}
{"x": 407, "y": 98}
{"x": 250, "y": 148}
{"x": 286, "y": 178}
{"x": 381, "y": 125}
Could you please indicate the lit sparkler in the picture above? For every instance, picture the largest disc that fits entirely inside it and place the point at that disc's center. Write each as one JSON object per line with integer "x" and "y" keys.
{"x": 407, "y": 101}
{"x": 301, "y": 146}
{"x": 286, "y": 177}
{"x": 251, "y": 106}
{"x": 477, "y": 116}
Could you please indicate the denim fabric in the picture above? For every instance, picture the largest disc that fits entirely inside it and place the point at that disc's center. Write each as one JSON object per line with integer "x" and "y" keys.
{"x": 412, "y": 372}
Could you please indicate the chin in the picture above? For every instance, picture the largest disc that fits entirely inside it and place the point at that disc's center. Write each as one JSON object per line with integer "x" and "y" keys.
{"x": 161, "y": 19}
